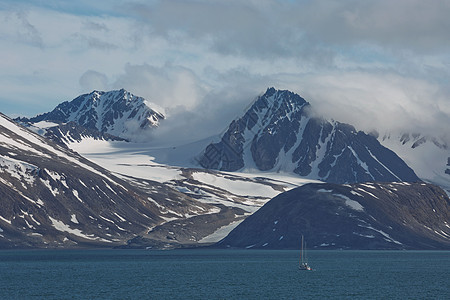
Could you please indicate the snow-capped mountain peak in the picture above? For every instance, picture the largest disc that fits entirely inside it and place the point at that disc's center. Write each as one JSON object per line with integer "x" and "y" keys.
{"x": 273, "y": 104}
{"x": 279, "y": 132}
{"x": 118, "y": 113}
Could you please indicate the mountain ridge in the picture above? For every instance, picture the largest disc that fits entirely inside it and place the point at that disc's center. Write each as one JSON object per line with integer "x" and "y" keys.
{"x": 118, "y": 113}
{"x": 280, "y": 132}
{"x": 351, "y": 216}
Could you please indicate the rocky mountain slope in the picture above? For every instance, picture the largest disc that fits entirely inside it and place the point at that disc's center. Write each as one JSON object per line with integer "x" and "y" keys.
{"x": 280, "y": 133}
{"x": 66, "y": 134}
{"x": 51, "y": 197}
{"x": 358, "y": 216}
{"x": 118, "y": 113}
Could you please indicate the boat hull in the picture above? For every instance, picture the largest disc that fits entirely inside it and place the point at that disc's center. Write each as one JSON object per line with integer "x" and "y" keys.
{"x": 305, "y": 267}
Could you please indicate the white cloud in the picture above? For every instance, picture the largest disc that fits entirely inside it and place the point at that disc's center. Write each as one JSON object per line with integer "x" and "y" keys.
{"x": 371, "y": 63}
{"x": 93, "y": 80}
{"x": 280, "y": 28}
{"x": 383, "y": 101}
{"x": 169, "y": 86}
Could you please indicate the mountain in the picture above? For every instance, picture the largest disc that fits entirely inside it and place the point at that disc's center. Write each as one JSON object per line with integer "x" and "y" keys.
{"x": 427, "y": 155}
{"x": 51, "y": 197}
{"x": 280, "y": 132}
{"x": 118, "y": 113}
{"x": 357, "y": 216}
{"x": 188, "y": 206}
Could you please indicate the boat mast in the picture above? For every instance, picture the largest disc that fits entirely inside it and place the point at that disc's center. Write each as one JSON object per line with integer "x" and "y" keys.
{"x": 303, "y": 258}
{"x": 301, "y": 252}
{"x": 304, "y": 253}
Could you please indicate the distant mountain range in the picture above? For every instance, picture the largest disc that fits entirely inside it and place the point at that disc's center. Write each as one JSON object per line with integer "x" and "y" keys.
{"x": 53, "y": 197}
{"x": 281, "y": 133}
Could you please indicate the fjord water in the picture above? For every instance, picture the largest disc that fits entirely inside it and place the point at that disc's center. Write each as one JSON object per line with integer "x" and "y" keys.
{"x": 223, "y": 274}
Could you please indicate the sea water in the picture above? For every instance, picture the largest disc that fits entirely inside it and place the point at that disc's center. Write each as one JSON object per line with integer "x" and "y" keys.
{"x": 223, "y": 274}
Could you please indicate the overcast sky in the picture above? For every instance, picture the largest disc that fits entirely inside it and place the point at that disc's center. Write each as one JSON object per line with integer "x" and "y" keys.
{"x": 377, "y": 64}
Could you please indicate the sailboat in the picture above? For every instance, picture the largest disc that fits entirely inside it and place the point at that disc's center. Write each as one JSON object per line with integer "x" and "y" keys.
{"x": 303, "y": 264}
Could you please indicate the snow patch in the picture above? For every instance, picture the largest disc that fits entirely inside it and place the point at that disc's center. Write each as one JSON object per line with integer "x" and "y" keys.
{"x": 18, "y": 169}
{"x": 73, "y": 219}
{"x": 60, "y": 226}
{"x": 387, "y": 236}
{"x": 106, "y": 219}
{"x": 44, "y": 124}
{"x": 220, "y": 233}
{"x": 356, "y": 193}
{"x": 48, "y": 185}
{"x": 369, "y": 193}
{"x": 360, "y": 162}
{"x": 364, "y": 235}
{"x": 120, "y": 217}
{"x": 5, "y": 220}
{"x": 236, "y": 185}
{"x": 350, "y": 203}
{"x": 376, "y": 159}
{"x": 75, "y": 193}
{"x": 368, "y": 185}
